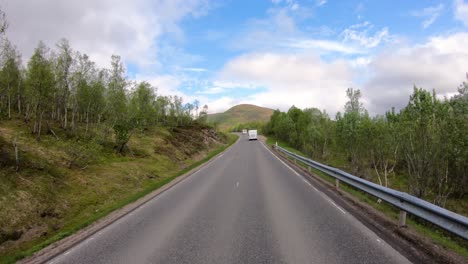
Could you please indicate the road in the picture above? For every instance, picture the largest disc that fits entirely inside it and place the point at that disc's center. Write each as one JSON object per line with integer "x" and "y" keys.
{"x": 246, "y": 206}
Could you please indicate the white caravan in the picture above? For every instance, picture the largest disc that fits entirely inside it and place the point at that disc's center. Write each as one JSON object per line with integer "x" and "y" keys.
{"x": 252, "y": 134}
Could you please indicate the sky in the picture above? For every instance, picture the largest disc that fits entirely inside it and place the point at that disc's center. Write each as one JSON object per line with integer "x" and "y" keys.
{"x": 272, "y": 53}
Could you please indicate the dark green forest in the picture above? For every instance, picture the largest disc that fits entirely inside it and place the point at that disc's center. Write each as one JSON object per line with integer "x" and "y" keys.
{"x": 424, "y": 145}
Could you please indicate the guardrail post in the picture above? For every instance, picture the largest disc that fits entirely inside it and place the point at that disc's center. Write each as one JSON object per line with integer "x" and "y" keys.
{"x": 295, "y": 161}
{"x": 402, "y": 219}
{"x": 337, "y": 183}
{"x": 309, "y": 168}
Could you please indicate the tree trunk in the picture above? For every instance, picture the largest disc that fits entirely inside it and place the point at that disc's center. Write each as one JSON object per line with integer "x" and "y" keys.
{"x": 49, "y": 129}
{"x": 19, "y": 97}
{"x": 15, "y": 144}
{"x": 19, "y": 104}
{"x": 72, "y": 126}
{"x": 40, "y": 126}
{"x": 87, "y": 120}
{"x": 9, "y": 106}
{"x": 65, "y": 117}
{"x": 122, "y": 147}
{"x": 26, "y": 115}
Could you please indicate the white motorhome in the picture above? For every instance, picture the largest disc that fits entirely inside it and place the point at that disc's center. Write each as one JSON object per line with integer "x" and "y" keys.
{"x": 252, "y": 134}
{"x": 244, "y": 131}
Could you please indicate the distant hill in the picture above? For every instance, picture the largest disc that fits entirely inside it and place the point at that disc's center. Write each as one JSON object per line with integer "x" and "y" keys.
{"x": 241, "y": 114}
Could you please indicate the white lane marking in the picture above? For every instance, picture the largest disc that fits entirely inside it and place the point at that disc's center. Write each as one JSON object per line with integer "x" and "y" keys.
{"x": 302, "y": 177}
{"x": 334, "y": 204}
{"x": 378, "y": 240}
{"x": 66, "y": 253}
{"x": 237, "y": 184}
{"x": 295, "y": 172}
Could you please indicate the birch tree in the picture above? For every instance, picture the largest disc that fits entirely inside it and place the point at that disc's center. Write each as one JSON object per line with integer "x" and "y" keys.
{"x": 40, "y": 85}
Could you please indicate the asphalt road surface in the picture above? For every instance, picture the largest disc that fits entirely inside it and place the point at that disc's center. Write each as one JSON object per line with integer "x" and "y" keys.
{"x": 244, "y": 207}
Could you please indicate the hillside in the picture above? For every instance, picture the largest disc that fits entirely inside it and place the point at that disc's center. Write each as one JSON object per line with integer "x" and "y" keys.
{"x": 63, "y": 184}
{"x": 241, "y": 114}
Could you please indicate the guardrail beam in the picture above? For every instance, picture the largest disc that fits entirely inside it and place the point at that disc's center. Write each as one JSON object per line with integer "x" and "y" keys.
{"x": 448, "y": 220}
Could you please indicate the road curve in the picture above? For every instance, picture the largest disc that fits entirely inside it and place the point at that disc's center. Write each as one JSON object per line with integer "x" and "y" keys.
{"x": 246, "y": 206}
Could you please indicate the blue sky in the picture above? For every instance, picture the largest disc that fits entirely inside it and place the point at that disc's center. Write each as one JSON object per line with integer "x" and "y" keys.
{"x": 274, "y": 53}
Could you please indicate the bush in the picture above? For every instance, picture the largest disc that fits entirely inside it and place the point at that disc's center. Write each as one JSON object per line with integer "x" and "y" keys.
{"x": 81, "y": 155}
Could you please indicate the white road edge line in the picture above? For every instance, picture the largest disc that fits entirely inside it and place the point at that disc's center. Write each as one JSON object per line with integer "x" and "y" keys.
{"x": 339, "y": 208}
{"x": 302, "y": 177}
{"x": 291, "y": 169}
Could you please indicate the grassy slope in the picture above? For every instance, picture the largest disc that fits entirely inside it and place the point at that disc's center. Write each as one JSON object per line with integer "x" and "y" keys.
{"x": 46, "y": 200}
{"x": 241, "y": 114}
{"x": 438, "y": 235}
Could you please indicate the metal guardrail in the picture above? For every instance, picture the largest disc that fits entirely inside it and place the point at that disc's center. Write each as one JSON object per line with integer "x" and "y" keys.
{"x": 439, "y": 216}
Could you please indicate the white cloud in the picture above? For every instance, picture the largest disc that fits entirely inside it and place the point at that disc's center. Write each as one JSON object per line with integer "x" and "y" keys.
{"x": 165, "y": 84}
{"x": 222, "y": 104}
{"x": 461, "y": 11}
{"x": 439, "y": 64}
{"x": 212, "y": 90}
{"x": 361, "y": 62}
{"x": 195, "y": 69}
{"x": 279, "y": 31}
{"x": 264, "y": 33}
{"x": 386, "y": 78}
{"x": 358, "y": 34}
{"x": 100, "y": 28}
{"x": 321, "y": 2}
{"x": 430, "y": 13}
{"x": 320, "y": 45}
{"x": 300, "y": 79}
{"x": 231, "y": 84}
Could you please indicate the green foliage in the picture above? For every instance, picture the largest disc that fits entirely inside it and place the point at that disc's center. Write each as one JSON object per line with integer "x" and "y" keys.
{"x": 141, "y": 105}
{"x": 82, "y": 155}
{"x": 122, "y": 130}
{"x": 249, "y": 125}
{"x": 10, "y": 75}
{"x": 425, "y": 143}
{"x": 64, "y": 87}
{"x": 203, "y": 117}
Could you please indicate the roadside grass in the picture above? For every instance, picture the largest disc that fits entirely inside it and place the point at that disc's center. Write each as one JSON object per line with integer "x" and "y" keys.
{"x": 438, "y": 235}
{"x": 57, "y": 201}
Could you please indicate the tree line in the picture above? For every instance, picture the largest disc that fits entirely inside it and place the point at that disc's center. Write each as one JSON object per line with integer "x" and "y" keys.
{"x": 64, "y": 88}
{"x": 426, "y": 142}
